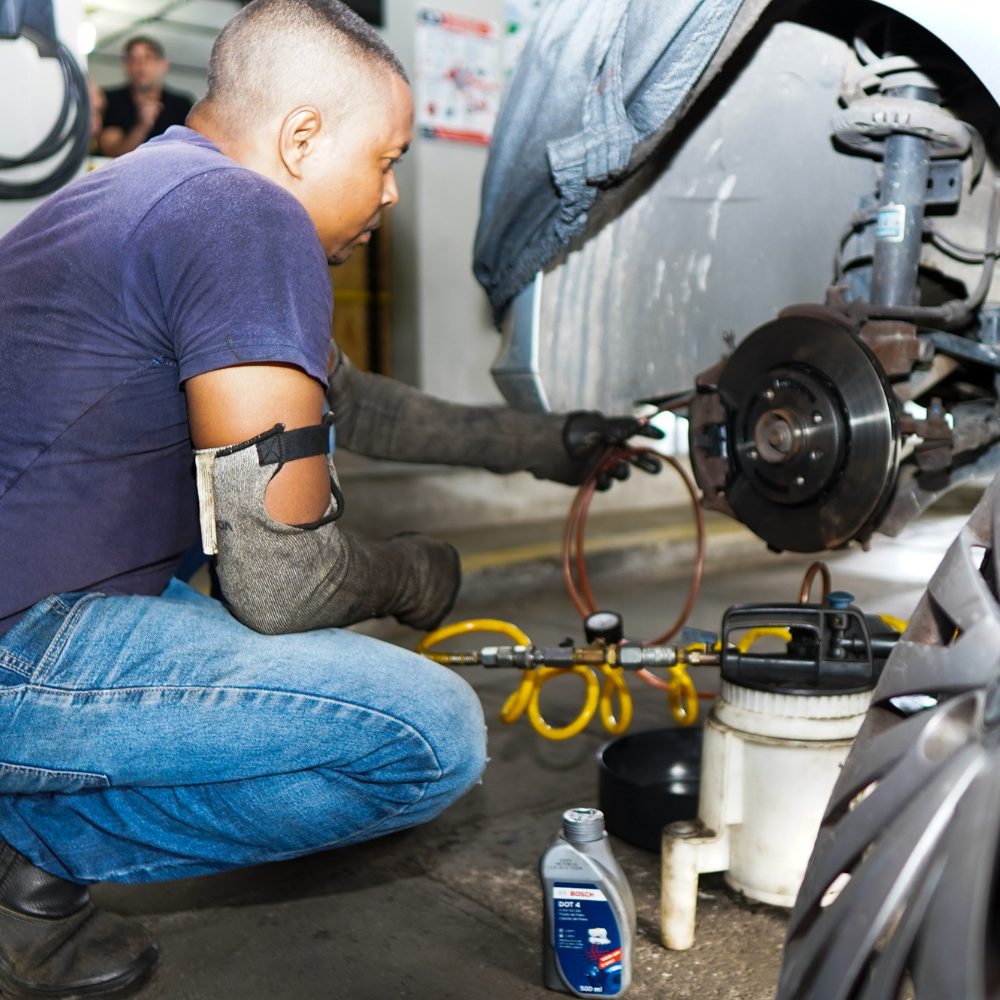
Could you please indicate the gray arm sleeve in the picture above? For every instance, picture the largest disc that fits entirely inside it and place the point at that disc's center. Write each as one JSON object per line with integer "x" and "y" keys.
{"x": 382, "y": 418}
{"x": 280, "y": 578}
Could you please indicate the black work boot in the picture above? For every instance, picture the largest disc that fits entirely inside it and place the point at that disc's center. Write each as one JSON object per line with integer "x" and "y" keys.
{"x": 55, "y": 943}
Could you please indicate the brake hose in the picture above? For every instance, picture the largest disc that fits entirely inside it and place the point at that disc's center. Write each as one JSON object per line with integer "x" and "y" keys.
{"x": 681, "y": 693}
{"x": 807, "y": 581}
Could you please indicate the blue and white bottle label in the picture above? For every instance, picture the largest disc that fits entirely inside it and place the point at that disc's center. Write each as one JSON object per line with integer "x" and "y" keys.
{"x": 587, "y": 941}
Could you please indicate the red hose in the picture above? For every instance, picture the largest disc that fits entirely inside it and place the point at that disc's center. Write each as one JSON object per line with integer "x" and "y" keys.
{"x": 580, "y": 592}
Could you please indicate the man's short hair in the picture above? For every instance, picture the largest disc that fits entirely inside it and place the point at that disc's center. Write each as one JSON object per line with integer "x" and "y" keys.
{"x": 243, "y": 42}
{"x": 144, "y": 40}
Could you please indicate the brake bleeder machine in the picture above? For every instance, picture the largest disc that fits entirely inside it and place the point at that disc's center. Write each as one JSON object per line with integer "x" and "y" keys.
{"x": 785, "y": 717}
{"x": 831, "y": 646}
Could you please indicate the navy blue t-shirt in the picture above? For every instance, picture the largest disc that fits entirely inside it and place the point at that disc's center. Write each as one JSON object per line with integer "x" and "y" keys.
{"x": 169, "y": 262}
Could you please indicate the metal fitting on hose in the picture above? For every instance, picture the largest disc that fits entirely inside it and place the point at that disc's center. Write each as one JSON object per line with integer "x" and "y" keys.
{"x": 521, "y": 657}
{"x": 636, "y": 657}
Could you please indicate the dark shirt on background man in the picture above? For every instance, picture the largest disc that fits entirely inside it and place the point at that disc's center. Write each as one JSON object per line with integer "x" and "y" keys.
{"x": 121, "y": 111}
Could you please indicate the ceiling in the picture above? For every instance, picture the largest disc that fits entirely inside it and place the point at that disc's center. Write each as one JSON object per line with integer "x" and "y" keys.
{"x": 185, "y": 28}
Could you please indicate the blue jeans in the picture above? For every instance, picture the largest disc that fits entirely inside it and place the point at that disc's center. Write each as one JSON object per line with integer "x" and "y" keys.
{"x": 149, "y": 738}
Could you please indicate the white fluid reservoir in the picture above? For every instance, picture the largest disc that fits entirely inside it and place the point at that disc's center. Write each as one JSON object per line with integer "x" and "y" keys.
{"x": 769, "y": 764}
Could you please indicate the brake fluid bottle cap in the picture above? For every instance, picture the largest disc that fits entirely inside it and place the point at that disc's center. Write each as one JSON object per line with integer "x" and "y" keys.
{"x": 580, "y": 826}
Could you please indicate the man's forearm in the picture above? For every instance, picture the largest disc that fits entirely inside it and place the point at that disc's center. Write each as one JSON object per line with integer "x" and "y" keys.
{"x": 123, "y": 142}
{"x": 382, "y": 418}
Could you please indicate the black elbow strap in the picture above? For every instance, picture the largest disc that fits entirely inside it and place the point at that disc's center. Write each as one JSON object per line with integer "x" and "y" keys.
{"x": 287, "y": 446}
{"x": 278, "y": 446}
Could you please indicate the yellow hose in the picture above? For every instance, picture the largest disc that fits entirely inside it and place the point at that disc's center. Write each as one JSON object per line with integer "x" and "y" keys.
{"x": 542, "y": 676}
{"x": 526, "y": 696}
{"x": 757, "y": 633}
{"x": 682, "y": 696}
{"x": 614, "y": 683}
{"x": 515, "y": 705}
{"x": 895, "y": 623}
{"x": 473, "y": 625}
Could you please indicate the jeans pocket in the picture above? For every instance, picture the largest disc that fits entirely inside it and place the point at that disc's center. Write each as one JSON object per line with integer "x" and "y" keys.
{"x": 23, "y": 779}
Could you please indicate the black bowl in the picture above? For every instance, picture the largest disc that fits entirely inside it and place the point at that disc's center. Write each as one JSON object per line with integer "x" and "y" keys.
{"x": 648, "y": 780}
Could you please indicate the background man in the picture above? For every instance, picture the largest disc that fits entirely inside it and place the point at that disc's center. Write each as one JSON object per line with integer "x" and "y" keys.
{"x": 144, "y": 108}
{"x": 180, "y": 296}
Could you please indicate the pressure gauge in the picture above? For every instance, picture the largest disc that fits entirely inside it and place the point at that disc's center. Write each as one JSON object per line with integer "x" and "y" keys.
{"x": 606, "y": 625}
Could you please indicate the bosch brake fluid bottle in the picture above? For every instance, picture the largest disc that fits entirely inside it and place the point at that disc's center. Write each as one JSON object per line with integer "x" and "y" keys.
{"x": 589, "y": 911}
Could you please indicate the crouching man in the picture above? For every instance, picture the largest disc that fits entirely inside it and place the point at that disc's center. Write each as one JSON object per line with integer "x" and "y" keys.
{"x": 180, "y": 298}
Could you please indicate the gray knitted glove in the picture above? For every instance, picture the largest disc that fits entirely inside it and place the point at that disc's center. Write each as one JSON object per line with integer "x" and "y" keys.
{"x": 430, "y": 579}
{"x": 281, "y": 578}
{"x": 382, "y": 418}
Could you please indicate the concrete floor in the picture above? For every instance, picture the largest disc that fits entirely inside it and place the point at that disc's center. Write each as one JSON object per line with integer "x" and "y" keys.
{"x": 453, "y": 909}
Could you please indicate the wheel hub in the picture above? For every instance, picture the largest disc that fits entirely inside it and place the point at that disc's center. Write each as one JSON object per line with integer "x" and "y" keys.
{"x": 791, "y": 438}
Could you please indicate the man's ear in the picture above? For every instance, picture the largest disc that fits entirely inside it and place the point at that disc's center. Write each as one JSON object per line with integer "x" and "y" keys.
{"x": 297, "y": 138}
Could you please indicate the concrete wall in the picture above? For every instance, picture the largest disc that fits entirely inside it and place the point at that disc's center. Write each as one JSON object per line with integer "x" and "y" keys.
{"x": 443, "y": 338}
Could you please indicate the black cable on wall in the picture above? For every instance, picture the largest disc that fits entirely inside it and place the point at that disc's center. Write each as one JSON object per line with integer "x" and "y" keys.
{"x": 35, "y": 20}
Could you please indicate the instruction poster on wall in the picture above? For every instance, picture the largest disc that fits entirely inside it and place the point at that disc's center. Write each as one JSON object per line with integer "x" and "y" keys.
{"x": 458, "y": 76}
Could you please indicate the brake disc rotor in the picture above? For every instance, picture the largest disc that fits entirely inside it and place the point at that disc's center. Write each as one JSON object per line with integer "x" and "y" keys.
{"x": 812, "y": 432}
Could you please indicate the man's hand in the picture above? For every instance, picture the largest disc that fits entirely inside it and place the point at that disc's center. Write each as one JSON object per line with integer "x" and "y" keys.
{"x": 587, "y": 434}
{"x": 231, "y": 405}
{"x": 114, "y": 141}
{"x": 147, "y": 113}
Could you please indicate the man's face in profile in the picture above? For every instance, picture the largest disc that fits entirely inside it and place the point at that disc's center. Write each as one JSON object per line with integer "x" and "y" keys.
{"x": 144, "y": 68}
{"x": 351, "y": 175}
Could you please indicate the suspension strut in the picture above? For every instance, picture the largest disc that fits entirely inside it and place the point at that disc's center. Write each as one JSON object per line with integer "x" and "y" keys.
{"x": 798, "y": 433}
{"x": 893, "y": 114}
